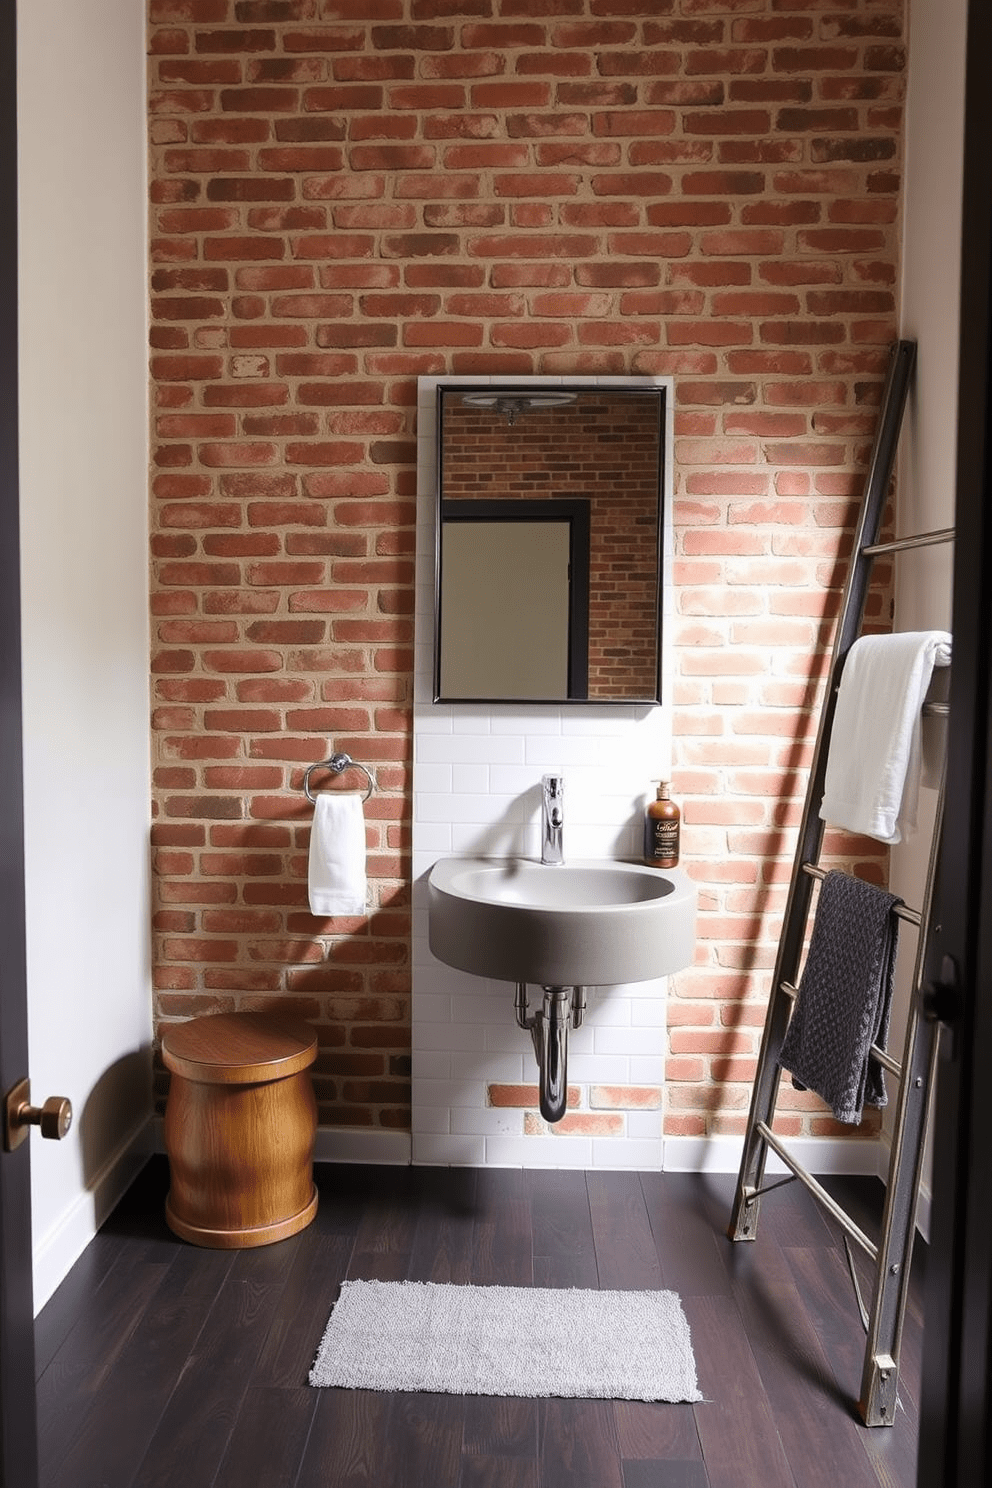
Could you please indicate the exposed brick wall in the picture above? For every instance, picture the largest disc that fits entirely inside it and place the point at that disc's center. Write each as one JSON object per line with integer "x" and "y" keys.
{"x": 348, "y": 193}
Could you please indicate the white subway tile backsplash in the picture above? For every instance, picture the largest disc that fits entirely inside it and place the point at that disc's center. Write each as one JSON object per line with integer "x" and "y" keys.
{"x": 455, "y": 747}
{"x": 492, "y": 1122}
{"x": 431, "y": 1064}
{"x": 443, "y": 981}
{"x": 429, "y": 722}
{"x": 580, "y": 1040}
{"x": 435, "y": 779}
{"x": 609, "y": 1012}
{"x": 476, "y": 790}
{"x": 598, "y": 842}
{"x": 433, "y": 840}
{"x": 649, "y": 1069}
{"x": 470, "y": 778}
{"x": 521, "y": 780}
{"x": 613, "y": 812}
{"x": 455, "y": 809}
{"x": 556, "y": 753}
{"x": 539, "y": 722}
{"x": 420, "y": 950}
{"x": 648, "y": 1011}
{"x": 506, "y": 1040}
{"x": 615, "y": 721}
{"x": 645, "y": 1124}
{"x": 469, "y": 1038}
{"x": 479, "y": 1005}
{"x": 449, "y": 1151}
{"x": 639, "y": 1154}
{"x": 470, "y": 718}
{"x": 509, "y": 1066}
{"x": 426, "y": 1037}
{"x": 539, "y": 1152}
{"x": 627, "y": 1041}
{"x": 433, "y": 1007}
{"x": 601, "y": 1069}
{"x": 449, "y": 1093}
{"x": 495, "y": 839}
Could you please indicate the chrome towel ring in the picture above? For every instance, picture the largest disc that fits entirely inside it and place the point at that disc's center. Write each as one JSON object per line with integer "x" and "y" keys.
{"x": 337, "y": 763}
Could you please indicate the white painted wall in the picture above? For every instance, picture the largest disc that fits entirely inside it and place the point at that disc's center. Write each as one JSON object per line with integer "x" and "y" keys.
{"x": 85, "y": 631}
{"x": 930, "y": 315}
{"x": 931, "y": 286}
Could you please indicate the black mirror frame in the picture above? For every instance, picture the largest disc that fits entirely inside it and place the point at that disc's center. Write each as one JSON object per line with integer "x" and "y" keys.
{"x": 522, "y": 388}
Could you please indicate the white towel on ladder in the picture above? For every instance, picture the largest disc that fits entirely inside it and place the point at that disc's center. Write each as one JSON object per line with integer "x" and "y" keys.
{"x": 336, "y": 879}
{"x": 873, "y": 765}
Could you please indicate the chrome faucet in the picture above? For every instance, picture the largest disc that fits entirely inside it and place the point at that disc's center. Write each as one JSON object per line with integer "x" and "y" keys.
{"x": 552, "y": 818}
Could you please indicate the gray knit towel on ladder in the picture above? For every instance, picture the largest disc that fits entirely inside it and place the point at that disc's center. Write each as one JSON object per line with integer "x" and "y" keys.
{"x": 845, "y": 994}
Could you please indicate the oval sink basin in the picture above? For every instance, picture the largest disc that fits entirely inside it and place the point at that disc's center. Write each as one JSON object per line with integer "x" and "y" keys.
{"x": 583, "y": 923}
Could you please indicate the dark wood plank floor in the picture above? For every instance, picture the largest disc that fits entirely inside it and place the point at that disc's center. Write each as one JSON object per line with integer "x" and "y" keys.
{"x": 161, "y": 1365}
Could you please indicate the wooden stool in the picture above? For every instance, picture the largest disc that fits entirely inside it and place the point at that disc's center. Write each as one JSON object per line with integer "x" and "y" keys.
{"x": 240, "y": 1124}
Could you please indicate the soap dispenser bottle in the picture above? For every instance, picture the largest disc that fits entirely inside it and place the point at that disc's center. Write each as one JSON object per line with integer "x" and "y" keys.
{"x": 662, "y": 827}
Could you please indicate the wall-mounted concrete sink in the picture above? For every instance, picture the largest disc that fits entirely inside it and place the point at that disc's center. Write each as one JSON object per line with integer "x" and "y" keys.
{"x": 584, "y": 923}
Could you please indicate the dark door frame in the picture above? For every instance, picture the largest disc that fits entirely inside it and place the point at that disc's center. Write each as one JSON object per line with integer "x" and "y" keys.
{"x": 574, "y": 513}
{"x": 955, "y": 1444}
{"x": 18, "y": 1431}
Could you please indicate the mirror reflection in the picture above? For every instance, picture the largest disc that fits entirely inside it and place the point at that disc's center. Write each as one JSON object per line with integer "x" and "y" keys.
{"x": 549, "y": 543}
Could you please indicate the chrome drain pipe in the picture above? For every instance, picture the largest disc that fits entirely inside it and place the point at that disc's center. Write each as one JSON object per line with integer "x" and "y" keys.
{"x": 548, "y": 1028}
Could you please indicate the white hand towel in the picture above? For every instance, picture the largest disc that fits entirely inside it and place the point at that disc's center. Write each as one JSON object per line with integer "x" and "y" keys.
{"x": 873, "y": 766}
{"x": 337, "y": 855}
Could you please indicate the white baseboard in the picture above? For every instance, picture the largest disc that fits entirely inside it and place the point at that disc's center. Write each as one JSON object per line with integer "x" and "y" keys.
{"x": 352, "y": 1144}
{"x": 925, "y": 1199}
{"x": 679, "y": 1155}
{"x": 817, "y": 1155}
{"x": 822, "y": 1155}
{"x": 343, "y": 1144}
{"x": 56, "y": 1253}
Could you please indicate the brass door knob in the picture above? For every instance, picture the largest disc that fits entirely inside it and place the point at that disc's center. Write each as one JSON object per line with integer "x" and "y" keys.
{"x": 54, "y": 1118}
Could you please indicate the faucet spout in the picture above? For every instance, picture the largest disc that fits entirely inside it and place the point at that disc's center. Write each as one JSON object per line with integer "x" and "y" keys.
{"x": 552, "y": 819}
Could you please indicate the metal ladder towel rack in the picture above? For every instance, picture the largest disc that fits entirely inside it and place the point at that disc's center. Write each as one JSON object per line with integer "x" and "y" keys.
{"x": 917, "y": 1069}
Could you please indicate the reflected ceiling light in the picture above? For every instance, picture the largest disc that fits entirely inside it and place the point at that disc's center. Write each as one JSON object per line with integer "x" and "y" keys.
{"x": 513, "y": 403}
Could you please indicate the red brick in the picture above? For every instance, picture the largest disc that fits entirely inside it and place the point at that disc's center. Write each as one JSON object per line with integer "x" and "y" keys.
{"x": 649, "y": 209}
{"x": 229, "y": 131}
{"x": 726, "y": 60}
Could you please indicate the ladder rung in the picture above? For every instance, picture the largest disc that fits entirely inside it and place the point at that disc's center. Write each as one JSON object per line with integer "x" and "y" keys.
{"x": 900, "y": 544}
{"x": 818, "y": 1191}
{"x": 886, "y": 1060}
{"x": 901, "y": 911}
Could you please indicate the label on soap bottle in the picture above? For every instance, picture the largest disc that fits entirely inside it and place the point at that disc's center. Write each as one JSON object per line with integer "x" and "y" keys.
{"x": 661, "y": 841}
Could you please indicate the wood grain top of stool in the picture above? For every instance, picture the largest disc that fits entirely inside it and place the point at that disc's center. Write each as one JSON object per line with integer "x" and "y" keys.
{"x": 239, "y": 1048}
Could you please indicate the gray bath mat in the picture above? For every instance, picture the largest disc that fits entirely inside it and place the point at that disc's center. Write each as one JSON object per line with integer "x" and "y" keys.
{"x": 494, "y": 1340}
